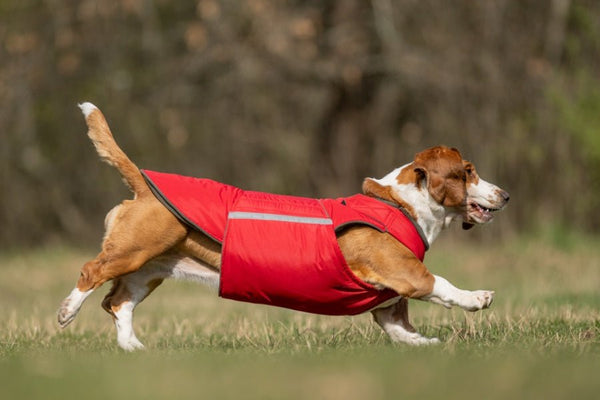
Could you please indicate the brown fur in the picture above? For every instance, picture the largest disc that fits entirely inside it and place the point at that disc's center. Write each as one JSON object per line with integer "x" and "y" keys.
{"x": 472, "y": 176}
{"x": 389, "y": 264}
{"x": 445, "y": 173}
{"x": 374, "y": 189}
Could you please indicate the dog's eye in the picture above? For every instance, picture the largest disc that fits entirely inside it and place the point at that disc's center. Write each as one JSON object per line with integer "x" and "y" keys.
{"x": 459, "y": 177}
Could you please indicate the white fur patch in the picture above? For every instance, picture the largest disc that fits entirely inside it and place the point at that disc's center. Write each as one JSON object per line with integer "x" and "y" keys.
{"x": 124, "y": 323}
{"x": 71, "y": 305}
{"x": 429, "y": 214}
{"x": 184, "y": 268}
{"x": 486, "y": 194}
{"x": 396, "y": 329}
{"x": 137, "y": 282}
{"x": 447, "y": 295}
{"x": 87, "y": 108}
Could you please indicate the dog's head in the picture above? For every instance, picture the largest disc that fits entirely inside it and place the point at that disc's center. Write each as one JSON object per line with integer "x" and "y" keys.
{"x": 483, "y": 198}
{"x": 440, "y": 185}
{"x": 442, "y": 172}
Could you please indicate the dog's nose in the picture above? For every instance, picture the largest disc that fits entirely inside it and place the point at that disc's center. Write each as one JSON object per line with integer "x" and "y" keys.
{"x": 505, "y": 195}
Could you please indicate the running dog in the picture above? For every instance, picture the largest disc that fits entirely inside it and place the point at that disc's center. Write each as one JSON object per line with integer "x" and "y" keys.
{"x": 329, "y": 256}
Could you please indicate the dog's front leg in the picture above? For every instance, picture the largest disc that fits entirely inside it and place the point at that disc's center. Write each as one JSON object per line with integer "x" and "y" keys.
{"x": 394, "y": 321}
{"x": 448, "y": 295}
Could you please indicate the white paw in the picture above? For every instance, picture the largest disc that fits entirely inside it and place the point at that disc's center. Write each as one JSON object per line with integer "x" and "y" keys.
{"x": 423, "y": 341}
{"x": 66, "y": 314}
{"x": 70, "y": 306}
{"x": 415, "y": 339}
{"x": 400, "y": 335}
{"x": 478, "y": 300}
{"x": 131, "y": 344}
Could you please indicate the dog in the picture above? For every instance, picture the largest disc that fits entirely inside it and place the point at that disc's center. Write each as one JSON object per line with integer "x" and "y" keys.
{"x": 372, "y": 242}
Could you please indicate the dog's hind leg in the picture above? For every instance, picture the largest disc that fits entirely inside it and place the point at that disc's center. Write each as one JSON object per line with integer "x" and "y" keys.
{"x": 127, "y": 292}
{"x": 141, "y": 230}
{"x": 394, "y": 321}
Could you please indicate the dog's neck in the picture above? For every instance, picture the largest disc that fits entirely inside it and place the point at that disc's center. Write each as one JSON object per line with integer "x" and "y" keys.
{"x": 412, "y": 195}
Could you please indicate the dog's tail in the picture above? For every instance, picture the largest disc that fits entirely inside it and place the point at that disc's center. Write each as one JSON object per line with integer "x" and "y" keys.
{"x": 109, "y": 150}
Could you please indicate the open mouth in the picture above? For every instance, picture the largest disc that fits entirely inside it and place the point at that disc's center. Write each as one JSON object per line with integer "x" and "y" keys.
{"x": 479, "y": 213}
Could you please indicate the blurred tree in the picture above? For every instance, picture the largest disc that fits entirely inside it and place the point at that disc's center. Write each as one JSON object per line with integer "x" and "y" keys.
{"x": 302, "y": 97}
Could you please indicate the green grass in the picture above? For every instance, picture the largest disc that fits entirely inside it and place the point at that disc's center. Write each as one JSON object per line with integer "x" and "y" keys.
{"x": 540, "y": 339}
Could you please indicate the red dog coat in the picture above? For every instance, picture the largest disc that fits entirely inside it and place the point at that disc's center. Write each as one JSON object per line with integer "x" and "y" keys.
{"x": 282, "y": 250}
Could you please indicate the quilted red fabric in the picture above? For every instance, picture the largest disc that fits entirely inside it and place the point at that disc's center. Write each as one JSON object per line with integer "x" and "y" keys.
{"x": 282, "y": 250}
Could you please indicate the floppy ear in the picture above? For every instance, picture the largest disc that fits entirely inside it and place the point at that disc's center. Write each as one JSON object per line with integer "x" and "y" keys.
{"x": 421, "y": 173}
{"x": 435, "y": 183}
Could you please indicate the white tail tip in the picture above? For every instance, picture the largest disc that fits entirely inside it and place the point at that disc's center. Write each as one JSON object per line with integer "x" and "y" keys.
{"x": 87, "y": 108}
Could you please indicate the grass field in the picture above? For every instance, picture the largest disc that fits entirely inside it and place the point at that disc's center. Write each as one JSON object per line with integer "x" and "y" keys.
{"x": 540, "y": 339}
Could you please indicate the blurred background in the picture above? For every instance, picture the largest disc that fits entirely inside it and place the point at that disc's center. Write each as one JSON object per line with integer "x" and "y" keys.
{"x": 297, "y": 97}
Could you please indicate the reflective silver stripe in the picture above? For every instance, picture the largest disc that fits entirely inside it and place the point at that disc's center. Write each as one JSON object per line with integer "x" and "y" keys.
{"x": 280, "y": 218}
